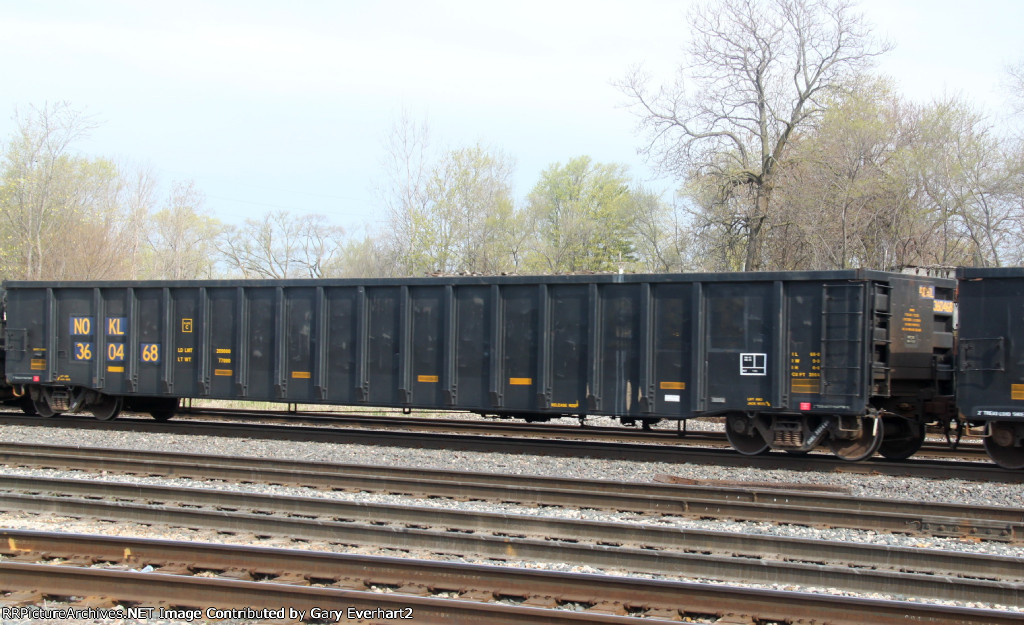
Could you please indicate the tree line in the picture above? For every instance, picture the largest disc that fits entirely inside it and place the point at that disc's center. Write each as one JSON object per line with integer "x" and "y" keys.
{"x": 789, "y": 153}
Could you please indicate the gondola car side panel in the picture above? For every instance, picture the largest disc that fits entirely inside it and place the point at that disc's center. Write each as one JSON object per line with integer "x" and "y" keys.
{"x": 990, "y": 382}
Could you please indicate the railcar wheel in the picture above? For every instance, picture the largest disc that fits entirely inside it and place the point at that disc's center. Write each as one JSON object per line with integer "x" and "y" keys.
{"x": 107, "y": 408}
{"x": 1002, "y": 445}
{"x": 862, "y": 447}
{"x": 42, "y": 408}
{"x": 902, "y": 439}
{"x": 744, "y": 436}
{"x": 161, "y": 415}
{"x": 164, "y": 410}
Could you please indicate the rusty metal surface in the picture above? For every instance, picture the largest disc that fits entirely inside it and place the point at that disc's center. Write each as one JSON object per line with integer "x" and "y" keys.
{"x": 270, "y": 602}
{"x": 654, "y": 598}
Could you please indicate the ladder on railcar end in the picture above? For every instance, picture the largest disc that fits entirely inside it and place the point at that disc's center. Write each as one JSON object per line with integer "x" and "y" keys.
{"x": 842, "y": 341}
{"x": 881, "y": 367}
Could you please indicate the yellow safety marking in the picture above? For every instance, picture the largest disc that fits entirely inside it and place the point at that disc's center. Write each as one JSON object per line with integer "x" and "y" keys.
{"x": 673, "y": 386}
{"x": 301, "y": 375}
{"x": 520, "y": 381}
{"x": 223, "y": 372}
{"x": 37, "y": 364}
{"x": 1017, "y": 391}
{"x": 427, "y": 378}
{"x": 115, "y": 369}
{"x": 805, "y": 386}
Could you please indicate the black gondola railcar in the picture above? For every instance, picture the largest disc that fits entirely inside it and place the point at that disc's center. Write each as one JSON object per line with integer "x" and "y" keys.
{"x": 791, "y": 359}
{"x": 990, "y": 376}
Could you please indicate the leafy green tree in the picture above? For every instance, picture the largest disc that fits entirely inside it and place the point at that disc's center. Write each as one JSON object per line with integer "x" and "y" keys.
{"x": 42, "y": 194}
{"x": 64, "y": 215}
{"x": 470, "y": 213}
{"x": 453, "y": 213}
{"x": 582, "y": 213}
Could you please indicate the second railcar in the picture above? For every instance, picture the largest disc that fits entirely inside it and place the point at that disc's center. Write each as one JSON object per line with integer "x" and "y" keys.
{"x": 792, "y": 360}
{"x": 990, "y": 375}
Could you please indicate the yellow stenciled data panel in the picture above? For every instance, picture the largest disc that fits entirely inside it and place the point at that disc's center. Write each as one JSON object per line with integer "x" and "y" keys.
{"x": 805, "y": 372}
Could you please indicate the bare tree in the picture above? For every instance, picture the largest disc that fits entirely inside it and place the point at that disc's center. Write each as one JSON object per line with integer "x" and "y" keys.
{"x": 139, "y": 195}
{"x": 971, "y": 182}
{"x": 181, "y": 237}
{"x": 661, "y": 241}
{"x": 1015, "y": 85}
{"x": 759, "y": 70}
{"x": 403, "y": 194}
{"x": 281, "y": 245}
{"x": 845, "y": 195}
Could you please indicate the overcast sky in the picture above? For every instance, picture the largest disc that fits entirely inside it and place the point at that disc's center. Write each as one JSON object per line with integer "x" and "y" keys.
{"x": 270, "y": 105}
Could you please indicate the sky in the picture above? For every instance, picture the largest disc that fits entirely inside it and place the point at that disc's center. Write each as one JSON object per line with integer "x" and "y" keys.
{"x": 287, "y": 105}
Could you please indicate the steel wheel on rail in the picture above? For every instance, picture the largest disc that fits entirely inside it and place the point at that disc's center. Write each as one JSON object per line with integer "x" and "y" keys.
{"x": 164, "y": 409}
{"x": 864, "y": 445}
{"x": 42, "y": 408}
{"x": 903, "y": 438}
{"x": 743, "y": 434}
{"x": 161, "y": 415}
{"x": 1003, "y": 444}
{"x": 106, "y": 408}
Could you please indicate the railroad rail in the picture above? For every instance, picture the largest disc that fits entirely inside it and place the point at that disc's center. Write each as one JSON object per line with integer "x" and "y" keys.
{"x": 746, "y": 503}
{"x": 615, "y": 546}
{"x": 678, "y": 436}
{"x": 490, "y": 441}
{"x": 471, "y": 592}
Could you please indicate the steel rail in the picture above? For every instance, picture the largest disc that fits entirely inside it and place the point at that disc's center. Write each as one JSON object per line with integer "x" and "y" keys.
{"x": 758, "y": 504}
{"x": 938, "y": 469}
{"x": 655, "y": 599}
{"x": 679, "y": 437}
{"x": 527, "y": 526}
{"x": 316, "y": 523}
{"x": 254, "y": 598}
